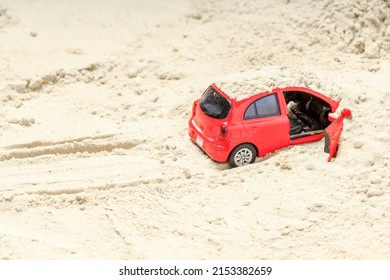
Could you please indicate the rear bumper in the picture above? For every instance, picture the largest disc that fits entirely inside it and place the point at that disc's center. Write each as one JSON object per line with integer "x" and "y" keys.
{"x": 218, "y": 150}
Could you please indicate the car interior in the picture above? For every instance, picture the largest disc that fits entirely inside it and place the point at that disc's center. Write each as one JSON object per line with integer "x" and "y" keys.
{"x": 308, "y": 114}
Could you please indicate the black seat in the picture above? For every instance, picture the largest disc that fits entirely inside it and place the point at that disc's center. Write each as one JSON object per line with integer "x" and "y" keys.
{"x": 295, "y": 126}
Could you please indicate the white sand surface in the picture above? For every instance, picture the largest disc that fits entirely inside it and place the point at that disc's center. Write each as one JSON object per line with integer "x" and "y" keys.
{"x": 95, "y": 159}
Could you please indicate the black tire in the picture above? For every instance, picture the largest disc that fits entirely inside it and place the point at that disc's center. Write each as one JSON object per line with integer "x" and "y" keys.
{"x": 242, "y": 155}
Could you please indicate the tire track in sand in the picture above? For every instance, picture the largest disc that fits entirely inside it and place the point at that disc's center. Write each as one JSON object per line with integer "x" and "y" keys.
{"x": 105, "y": 143}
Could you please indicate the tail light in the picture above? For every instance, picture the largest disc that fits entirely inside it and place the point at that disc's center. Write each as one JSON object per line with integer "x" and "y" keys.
{"x": 194, "y": 108}
{"x": 223, "y": 131}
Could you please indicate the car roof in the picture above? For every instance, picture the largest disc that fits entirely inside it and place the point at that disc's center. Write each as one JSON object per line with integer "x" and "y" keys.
{"x": 241, "y": 97}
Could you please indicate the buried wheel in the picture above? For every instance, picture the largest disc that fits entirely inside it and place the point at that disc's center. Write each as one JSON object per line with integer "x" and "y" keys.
{"x": 242, "y": 155}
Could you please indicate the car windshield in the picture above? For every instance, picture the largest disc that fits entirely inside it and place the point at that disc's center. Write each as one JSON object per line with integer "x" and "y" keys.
{"x": 214, "y": 104}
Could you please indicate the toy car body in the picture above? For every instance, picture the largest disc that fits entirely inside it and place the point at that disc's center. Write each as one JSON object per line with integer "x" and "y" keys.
{"x": 237, "y": 131}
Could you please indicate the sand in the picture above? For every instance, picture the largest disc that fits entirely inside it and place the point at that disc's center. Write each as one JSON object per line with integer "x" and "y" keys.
{"x": 95, "y": 158}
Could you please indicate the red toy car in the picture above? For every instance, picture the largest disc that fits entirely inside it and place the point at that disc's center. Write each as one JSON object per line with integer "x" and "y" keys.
{"x": 237, "y": 131}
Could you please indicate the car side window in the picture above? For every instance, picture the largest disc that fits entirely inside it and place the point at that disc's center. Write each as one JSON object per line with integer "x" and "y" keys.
{"x": 250, "y": 113}
{"x": 267, "y": 106}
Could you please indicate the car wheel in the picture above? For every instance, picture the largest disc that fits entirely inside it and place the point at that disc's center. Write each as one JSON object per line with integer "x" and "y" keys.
{"x": 242, "y": 155}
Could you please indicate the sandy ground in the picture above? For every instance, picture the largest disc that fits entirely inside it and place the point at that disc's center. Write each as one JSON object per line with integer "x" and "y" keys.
{"x": 95, "y": 160}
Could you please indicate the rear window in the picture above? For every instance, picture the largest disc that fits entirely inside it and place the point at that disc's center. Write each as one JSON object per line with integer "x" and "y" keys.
{"x": 214, "y": 104}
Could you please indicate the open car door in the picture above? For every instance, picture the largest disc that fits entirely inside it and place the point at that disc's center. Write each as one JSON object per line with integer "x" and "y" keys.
{"x": 332, "y": 133}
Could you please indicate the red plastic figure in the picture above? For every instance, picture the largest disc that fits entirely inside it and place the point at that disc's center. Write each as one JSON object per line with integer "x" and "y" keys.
{"x": 237, "y": 131}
